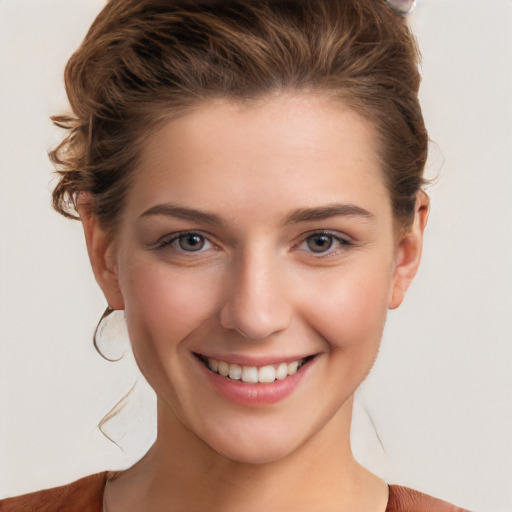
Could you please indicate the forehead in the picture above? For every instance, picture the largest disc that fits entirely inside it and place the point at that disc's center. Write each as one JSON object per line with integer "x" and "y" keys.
{"x": 275, "y": 151}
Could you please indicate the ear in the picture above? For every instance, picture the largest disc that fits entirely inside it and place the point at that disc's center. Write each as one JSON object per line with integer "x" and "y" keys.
{"x": 408, "y": 254}
{"x": 101, "y": 253}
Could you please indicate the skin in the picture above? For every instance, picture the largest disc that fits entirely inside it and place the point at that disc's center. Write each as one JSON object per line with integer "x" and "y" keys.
{"x": 261, "y": 286}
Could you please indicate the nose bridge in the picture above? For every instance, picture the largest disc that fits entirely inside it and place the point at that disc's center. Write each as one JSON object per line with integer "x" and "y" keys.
{"x": 256, "y": 303}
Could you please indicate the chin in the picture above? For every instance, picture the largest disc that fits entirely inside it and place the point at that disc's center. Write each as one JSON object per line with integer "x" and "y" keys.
{"x": 253, "y": 452}
{"x": 257, "y": 440}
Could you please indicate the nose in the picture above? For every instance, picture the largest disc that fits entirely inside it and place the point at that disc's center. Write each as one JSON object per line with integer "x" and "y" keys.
{"x": 257, "y": 301}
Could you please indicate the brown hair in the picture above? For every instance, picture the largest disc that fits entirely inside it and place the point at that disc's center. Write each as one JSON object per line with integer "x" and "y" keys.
{"x": 146, "y": 61}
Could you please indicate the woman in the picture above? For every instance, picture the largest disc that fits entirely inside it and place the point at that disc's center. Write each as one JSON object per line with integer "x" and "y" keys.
{"x": 248, "y": 176}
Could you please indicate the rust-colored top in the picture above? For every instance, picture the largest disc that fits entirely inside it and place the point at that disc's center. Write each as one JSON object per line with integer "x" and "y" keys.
{"x": 86, "y": 495}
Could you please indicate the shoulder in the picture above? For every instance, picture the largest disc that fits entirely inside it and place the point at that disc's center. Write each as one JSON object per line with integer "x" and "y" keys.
{"x": 403, "y": 499}
{"x": 84, "y": 495}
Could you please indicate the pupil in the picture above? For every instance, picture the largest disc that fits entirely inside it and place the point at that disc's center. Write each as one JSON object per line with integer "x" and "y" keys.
{"x": 191, "y": 242}
{"x": 320, "y": 243}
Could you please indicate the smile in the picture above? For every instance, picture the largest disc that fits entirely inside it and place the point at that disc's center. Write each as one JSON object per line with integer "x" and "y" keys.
{"x": 254, "y": 374}
{"x": 254, "y": 385}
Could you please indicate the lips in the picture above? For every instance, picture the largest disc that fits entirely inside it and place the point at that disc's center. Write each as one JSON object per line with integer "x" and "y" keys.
{"x": 245, "y": 382}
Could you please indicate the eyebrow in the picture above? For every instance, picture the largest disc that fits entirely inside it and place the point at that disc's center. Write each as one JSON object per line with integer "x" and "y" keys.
{"x": 326, "y": 212}
{"x": 181, "y": 212}
{"x": 295, "y": 217}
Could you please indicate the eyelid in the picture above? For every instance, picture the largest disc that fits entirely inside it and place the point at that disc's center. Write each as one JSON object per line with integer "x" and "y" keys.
{"x": 169, "y": 240}
{"x": 344, "y": 241}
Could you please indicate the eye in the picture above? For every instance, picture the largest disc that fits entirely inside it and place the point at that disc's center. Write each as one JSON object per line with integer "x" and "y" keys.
{"x": 191, "y": 242}
{"x": 187, "y": 242}
{"x": 319, "y": 242}
{"x": 324, "y": 243}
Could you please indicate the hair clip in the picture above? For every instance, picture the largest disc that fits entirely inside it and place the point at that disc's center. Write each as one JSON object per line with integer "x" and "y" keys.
{"x": 401, "y": 8}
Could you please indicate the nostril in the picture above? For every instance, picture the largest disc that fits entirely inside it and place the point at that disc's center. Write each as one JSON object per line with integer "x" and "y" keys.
{"x": 252, "y": 326}
{"x": 250, "y": 322}
{"x": 255, "y": 303}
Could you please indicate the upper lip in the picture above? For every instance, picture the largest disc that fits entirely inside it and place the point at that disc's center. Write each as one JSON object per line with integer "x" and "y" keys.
{"x": 246, "y": 360}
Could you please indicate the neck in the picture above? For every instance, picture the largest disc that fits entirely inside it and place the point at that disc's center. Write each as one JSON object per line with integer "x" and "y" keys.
{"x": 180, "y": 472}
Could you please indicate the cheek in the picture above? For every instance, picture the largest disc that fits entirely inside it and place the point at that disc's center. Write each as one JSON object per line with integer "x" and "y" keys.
{"x": 163, "y": 307}
{"x": 350, "y": 309}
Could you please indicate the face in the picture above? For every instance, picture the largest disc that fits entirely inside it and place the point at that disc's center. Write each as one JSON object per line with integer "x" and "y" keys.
{"x": 256, "y": 260}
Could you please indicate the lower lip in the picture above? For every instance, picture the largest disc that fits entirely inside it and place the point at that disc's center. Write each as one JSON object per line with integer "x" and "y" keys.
{"x": 248, "y": 394}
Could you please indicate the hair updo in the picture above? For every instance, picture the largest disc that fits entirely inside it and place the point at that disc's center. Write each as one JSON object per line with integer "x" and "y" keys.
{"x": 144, "y": 62}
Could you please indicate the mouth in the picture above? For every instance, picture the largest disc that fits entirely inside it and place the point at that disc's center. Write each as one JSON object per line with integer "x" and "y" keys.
{"x": 254, "y": 374}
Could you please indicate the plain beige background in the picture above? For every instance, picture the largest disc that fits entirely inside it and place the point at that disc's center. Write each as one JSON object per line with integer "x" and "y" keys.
{"x": 440, "y": 395}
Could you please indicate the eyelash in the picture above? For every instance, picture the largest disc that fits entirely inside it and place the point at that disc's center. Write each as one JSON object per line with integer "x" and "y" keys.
{"x": 342, "y": 242}
{"x": 176, "y": 237}
{"x": 335, "y": 239}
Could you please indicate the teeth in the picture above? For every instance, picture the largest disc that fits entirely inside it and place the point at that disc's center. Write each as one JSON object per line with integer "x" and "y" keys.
{"x": 254, "y": 374}
{"x": 282, "y": 371}
{"x": 293, "y": 367}
{"x": 235, "y": 372}
{"x": 250, "y": 374}
{"x": 267, "y": 374}
{"x": 223, "y": 368}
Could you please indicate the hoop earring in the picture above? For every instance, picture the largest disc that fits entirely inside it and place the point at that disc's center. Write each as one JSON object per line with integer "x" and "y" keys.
{"x": 111, "y": 328}
{"x": 402, "y": 8}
